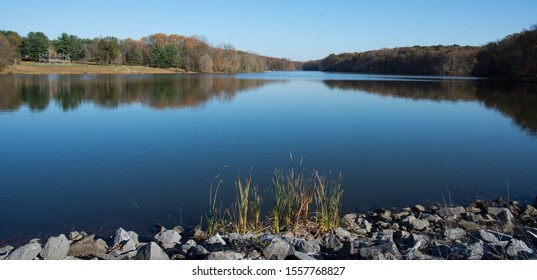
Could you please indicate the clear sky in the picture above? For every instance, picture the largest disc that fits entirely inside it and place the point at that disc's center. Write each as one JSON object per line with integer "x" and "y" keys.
{"x": 295, "y": 29}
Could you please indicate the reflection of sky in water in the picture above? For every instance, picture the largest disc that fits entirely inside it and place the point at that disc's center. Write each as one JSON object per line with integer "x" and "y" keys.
{"x": 137, "y": 164}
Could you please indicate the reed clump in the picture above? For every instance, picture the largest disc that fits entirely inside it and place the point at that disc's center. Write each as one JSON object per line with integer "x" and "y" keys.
{"x": 299, "y": 202}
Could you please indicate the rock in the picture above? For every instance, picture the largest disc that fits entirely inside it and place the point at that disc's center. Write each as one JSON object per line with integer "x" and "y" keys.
{"x": 278, "y": 249}
{"x": 225, "y": 255}
{"x": 197, "y": 252}
{"x": 125, "y": 249}
{"x": 120, "y": 236}
{"x": 87, "y": 247}
{"x": 384, "y": 215}
{"x": 254, "y": 255}
{"x": 494, "y": 211}
{"x": 330, "y": 242}
{"x": 440, "y": 250}
{"x": 349, "y": 221}
{"x": 75, "y": 236}
{"x": 266, "y": 238}
{"x": 419, "y": 208}
{"x": 470, "y": 226}
{"x": 475, "y": 250}
{"x": 4, "y": 251}
{"x": 179, "y": 229}
{"x": 133, "y": 236}
{"x": 234, "y": 237}
{"x": 414, "y": 241}
{"x": 385, "y": 251}
{"x": 505, "y": 216}
{"x": 385, "y": 235}
{"x": 530, "y": 211}
{"x": 151, "y": 251}
{"x": 56, "y": 248}
{"x": 304, "y": 257}
{"x": 168, "y": 238}
{"x": 476, "y": 218}
{"x": 471, "y": 251}
{"x": 199, "y": 234}
{"x": 26, "y": 252}
{"x": 310, "y": 247}
{"x": 216, "y": 239}
{"x": 447, "y": 212}
{"x": 400, "y": 215}
{"x": 517, "y": 249}
{"x": 342, "y": 234}
{"x": 487, "y": 236}
{"x": 495, "y": 250}
{"x": 433, "y": 219}
{"x": 454, "y": 233}
{"x": 414, "y": 254}
{"x": 415, "y": 223}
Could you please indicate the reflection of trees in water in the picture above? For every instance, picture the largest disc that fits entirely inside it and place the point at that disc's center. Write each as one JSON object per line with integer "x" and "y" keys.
{"x": 112, "y": 90}
{"x": 516, "y": 100}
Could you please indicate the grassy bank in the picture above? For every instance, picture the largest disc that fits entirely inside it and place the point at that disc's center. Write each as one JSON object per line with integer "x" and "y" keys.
{"x": 33, "y": 68}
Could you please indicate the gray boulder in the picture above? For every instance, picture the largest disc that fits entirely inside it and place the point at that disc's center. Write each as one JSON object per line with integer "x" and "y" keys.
{"x": 151, "y": 251}
{"x": 448, "y": 212}
{"x": 415, "y": 223}
{"x": 278, "y": 249}
{"x": 75, "y": 236}
{"x": 4, "y": 252}
{"x": 454, "y": 233}
{"x": 342, "y": 234}
{"x": 197, "y": 252}
{"x": 225, "y": 255}
{"x": 310, "y": 247}
{"x": 385, "y": 251}
{"x": 168, "y": 238}
{"x": 303, "y": 256}
{"x": 133, "y": 236}
{"x": 471, "y": 251}
{"x": 120, "y": 236}
{"x": 384, "y": 215}
{"x": 26, "y": 252}
{"x": 517, "y": 249}
{"x": 331, "y": 242}
{"x": 56, "y": 248}
{"x": 88, "y": 247}
{"x": 216, "y": 239}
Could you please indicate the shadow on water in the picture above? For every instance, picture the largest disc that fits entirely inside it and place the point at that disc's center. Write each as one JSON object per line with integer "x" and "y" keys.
{"x": 516, "y": 100}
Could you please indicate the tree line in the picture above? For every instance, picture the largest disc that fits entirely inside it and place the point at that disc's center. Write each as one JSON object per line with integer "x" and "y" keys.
{"x": 192, "y": 53}
{"x": 513, "y": 57}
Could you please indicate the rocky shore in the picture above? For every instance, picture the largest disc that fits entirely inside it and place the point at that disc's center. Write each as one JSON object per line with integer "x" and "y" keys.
{"x": 489, "y": 230}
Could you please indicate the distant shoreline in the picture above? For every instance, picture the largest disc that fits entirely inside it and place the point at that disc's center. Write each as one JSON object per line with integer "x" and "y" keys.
{"x": 33, "y": 68}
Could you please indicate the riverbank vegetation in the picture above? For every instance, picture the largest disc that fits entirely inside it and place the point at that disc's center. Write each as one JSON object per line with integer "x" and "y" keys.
{"x": 514, "y": 57}
{"x": 299, "y": 203}
{"x": 190, "y": 53}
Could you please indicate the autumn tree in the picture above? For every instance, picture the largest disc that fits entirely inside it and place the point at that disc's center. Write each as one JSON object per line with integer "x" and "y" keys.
{"x": 132, "y": 52}
{"x": 8, "y": 55}
{"x": 206, "y": 63}
{"x": 34, "y": 44}
{"x": 108, "y": 51}
{"x": 13, "y": 38}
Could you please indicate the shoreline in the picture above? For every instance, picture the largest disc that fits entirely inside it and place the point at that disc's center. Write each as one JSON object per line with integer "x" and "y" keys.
{"x": 34, "y": 68}
{"x": 489, "y": 230}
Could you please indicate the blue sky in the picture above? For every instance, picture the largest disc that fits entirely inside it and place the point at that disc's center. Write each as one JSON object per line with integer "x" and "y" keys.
{"x": 299, "y": 30}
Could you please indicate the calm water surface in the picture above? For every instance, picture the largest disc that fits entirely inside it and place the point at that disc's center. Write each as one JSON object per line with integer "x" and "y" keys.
{"x": 94, "y": 152}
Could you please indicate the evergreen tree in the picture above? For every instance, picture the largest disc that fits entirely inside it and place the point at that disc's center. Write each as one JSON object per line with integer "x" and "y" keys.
{"x": 34, "y": 44}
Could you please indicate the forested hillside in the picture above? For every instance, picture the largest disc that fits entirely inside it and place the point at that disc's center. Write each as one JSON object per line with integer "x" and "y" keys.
{"x": 513, "y": 57}
{"x": 193, "y": 53}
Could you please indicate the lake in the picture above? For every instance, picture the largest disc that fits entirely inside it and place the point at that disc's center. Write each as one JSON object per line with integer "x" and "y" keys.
{"x": 95, "y": 152}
